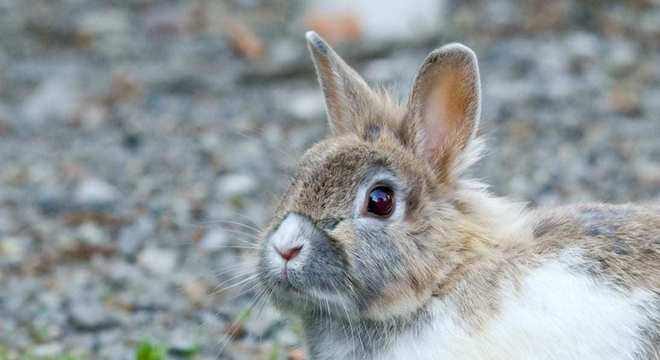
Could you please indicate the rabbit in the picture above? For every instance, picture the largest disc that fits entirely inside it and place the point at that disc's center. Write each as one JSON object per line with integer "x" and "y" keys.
{"x": 385, "y": 249}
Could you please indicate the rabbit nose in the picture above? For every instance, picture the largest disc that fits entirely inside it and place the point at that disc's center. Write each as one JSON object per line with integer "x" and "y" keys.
{"x": 290, "y": 253}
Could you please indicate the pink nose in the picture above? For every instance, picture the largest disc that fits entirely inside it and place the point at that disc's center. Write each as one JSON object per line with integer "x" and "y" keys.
{"x": 289, "y": 254}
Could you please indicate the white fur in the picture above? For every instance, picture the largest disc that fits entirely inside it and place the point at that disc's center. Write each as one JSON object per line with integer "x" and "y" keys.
{"x": 554, "y": 314}
{"x": 291, "y": 233}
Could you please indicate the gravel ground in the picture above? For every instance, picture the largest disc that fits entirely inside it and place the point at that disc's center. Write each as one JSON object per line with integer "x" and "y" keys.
{"x": 143, "y": 142}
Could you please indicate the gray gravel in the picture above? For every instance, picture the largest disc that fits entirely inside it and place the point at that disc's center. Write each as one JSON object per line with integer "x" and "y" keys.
{"x": 141, "y": 151}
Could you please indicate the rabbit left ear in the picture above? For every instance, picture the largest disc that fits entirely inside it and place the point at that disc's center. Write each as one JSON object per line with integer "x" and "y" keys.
{"x": 444, "y": 107}
{"x": 347, "y": 95}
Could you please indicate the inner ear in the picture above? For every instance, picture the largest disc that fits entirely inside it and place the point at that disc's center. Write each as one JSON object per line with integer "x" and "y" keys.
{"x": 443, "y": 111}
{"x": 448, "y": 111}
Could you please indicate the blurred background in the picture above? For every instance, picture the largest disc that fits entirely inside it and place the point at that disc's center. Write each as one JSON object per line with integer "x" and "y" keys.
{"x": 142, "y": 142}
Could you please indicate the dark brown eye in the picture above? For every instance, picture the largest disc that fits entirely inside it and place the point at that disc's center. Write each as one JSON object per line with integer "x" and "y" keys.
{"x": 380, "y": 201}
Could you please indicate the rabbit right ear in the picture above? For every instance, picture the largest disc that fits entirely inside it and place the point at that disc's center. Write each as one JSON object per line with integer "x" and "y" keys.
{"x": 347, "y": 95}
{"x": 444, "y": 107}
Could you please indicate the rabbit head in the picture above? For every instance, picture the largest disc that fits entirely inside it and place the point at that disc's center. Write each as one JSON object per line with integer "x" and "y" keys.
{"x": 370, "y": 223}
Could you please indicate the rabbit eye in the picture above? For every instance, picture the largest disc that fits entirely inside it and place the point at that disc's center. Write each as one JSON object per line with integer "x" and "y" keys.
{"x": 380, "y": 201}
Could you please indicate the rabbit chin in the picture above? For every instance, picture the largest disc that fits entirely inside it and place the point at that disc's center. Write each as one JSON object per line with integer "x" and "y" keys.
{"x": 307, "y": 300}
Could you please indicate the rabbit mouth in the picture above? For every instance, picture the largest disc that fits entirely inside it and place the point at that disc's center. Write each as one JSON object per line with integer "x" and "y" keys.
{"x": 296, "y": 300}
{"x": 297, "y": 294}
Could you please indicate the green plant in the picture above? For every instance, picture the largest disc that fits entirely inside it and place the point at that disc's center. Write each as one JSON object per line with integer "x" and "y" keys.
{"x": 275, "y": 351}
{"x": 6, "y": 354}
{"x": 149, "y": 351}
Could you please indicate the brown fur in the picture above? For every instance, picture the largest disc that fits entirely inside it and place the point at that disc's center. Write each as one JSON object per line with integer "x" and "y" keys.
{"x": 621, "y": 243}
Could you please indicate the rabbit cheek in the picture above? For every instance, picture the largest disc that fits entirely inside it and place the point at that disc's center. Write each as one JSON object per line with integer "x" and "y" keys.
{"x": 379, "y": 266}
{"x": 397, "y": 300}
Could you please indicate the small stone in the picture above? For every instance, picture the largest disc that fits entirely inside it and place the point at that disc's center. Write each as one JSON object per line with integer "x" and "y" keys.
{"x": 90, "y": 316}
{"x": 210, "y": 142}
{"x": 49, "y": 350}
{"x": 584, "y": 45}
{"x": 648, "y": 172}
{"x": 215, "y": 239}
{"x": 92, "y": 234}
{"x": 650, "y": 21}
{"x": 58, "y": 98}
{"x": 263, "y": 324}
{"x": 306, "y": 105}
{"x": 622, "y": 55}
{"x": 503, "y": 14}
{"x": 245, "y": 41}
{"x": 158, "y": 260}
{"x": 235, "y": 330}
{"x": 119, "y": 272}
{"x": 236, "y": 185}
{"x": 288, "y": 337}
{"x": 197, "y": 291}
{"x": 625, "y": 97}
{"x": 285, "y": 52}
{"x": 93, "y": 115}
{"x": 182, "y": 342}
{"x": 96, "y": 194}
{"x": 51, "y": 198}
{"x": 650, "y": 100}
{"x": 132, "y": 237}
{"x": 296, "y": 354}
{"x": 132, "y": 141}
{"x": 104, "y": 22}
{"x": 13, "y": 250}
{"x": 165, "y": 19}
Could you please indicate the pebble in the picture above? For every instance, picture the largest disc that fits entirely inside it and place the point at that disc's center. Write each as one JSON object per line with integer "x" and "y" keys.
{"x": 51, "y": 197}
{"x": 197, "y": 291}
{"x": 306, "y": 105}
{"x": 622, "y": 55}
{"x": 132, "y": 237}
{"x": 57, "y": 99}
{"x": 182, "y": 341}
{"x": 14, "y": 249}
{"x": 90, "y": 316}
{"x": 296, "y": 354}
{"x": 96, "y": 194}
{"x": 104, "y": 22}
{"x": 47, "y": 350}
{"x": 648, "y": 172}
{"x": 121, "y": 273}
{"x": 214, "y": 240}
{"x": 92, "y": 234}
{"x": 158, "y": 261}
{"x": 259, "y": 326}
{"x": 236, "y": 185}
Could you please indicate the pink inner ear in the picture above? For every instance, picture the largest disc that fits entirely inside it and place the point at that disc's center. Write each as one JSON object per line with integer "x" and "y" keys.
{"x": 447, "y": 115}
{"x": 436, "y": 128}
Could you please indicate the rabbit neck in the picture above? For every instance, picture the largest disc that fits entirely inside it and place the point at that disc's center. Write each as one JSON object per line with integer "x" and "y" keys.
{"x": 339, "y": 338}
{"x": 490, "y": 221}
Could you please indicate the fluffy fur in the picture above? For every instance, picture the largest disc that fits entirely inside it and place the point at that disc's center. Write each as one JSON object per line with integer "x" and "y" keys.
{"x": 454, "y": 272}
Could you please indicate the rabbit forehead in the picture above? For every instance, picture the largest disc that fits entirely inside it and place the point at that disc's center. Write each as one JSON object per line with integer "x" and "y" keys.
{"x": 331, "y": 172}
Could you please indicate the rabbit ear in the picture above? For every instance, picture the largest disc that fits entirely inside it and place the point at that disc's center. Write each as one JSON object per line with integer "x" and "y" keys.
{"x": 347, "y": 95}
{"x": 444, "y": 107}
